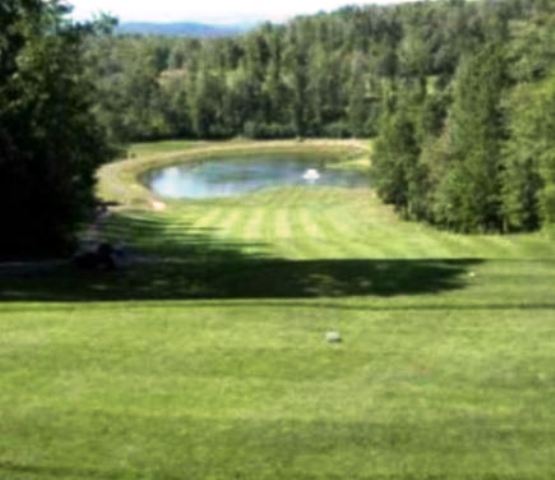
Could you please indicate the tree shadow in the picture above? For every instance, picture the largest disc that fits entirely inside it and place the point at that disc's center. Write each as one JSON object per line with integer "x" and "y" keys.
{"x": 61, "y": 472}
{"x": 176, "y": 262}
{"x": 37, "y": 471}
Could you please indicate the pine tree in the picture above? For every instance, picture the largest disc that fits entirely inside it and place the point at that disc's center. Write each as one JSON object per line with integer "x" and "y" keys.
{"x": 358, "y": 110}
{"x": 521, "y": 174}
{"x": 469, "y": 196}
{"x": 395, "y": 157}
{"x": 297, "y": 60}
{"x": 536, "y": 135}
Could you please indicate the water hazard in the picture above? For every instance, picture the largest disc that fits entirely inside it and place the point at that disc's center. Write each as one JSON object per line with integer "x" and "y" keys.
{"x": 233, "y": 176}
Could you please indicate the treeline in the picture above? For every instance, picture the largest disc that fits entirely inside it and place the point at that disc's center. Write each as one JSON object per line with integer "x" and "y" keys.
{"x": 478, "y": 154}
{"x": 325, "y": 75}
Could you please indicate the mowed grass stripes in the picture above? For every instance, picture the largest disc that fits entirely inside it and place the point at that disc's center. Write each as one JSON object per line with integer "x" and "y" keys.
{"x": 206, "y": 358}
{"x": 293, "y": 221}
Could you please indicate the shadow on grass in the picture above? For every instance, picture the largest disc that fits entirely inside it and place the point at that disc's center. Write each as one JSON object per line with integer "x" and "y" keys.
{"x": 70, "y": 472}
{"x": 256, "y": 278}
{"x": 180, "y": 263}
{"x": 58, "y": 472}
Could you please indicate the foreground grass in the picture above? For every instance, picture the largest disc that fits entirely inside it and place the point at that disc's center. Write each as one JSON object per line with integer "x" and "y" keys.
{"x": 208, "y": 359}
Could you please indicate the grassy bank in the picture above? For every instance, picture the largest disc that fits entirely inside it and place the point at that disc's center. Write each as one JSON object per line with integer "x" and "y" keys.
{"x": 207, "y": 358}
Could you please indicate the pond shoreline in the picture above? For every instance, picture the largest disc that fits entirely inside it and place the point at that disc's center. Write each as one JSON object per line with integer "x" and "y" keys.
{"x": 231, "y": 175}
{"x": 120, "y": 181}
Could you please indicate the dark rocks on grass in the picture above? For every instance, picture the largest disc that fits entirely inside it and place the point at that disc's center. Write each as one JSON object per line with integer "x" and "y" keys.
{"x": 105, "y": 257}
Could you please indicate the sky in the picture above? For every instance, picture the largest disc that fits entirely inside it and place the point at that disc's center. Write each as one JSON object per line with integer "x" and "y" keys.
{"x": 207, "y": 11}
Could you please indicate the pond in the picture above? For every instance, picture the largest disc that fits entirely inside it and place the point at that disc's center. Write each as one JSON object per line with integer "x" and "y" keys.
{"x": 233, "y": 176}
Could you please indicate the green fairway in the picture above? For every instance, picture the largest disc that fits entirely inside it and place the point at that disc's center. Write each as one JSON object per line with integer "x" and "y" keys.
{"x": 206, "y": 358}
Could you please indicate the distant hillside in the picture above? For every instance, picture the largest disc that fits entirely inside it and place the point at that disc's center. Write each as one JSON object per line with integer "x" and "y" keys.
{"x": 182, "y": 29}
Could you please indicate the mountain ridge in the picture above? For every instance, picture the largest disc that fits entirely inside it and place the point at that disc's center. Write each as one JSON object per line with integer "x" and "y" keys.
{"x": 182, "y": 29}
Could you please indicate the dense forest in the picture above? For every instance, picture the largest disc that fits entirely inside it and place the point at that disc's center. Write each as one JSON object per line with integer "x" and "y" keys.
{"x": 460, "y": 97}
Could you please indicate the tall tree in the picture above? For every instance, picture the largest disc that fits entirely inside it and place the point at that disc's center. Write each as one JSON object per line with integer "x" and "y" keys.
{"x": 358, "y": 110}
{"x": 396, "y": 156}
{"x": 529, "y": 188}
{"x": 50, "y": 141}
{"x": 469, "y": 197}
{"x": 297, "y": 59}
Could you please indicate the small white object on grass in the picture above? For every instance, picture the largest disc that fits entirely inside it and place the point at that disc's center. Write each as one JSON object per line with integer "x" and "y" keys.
{"x": 472, "y": 274}
{"x": 333, "y": 337}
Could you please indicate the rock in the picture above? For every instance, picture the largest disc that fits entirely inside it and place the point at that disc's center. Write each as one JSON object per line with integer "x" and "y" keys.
{"x": 104, "y": 257}
{"x": 333, "y": 337}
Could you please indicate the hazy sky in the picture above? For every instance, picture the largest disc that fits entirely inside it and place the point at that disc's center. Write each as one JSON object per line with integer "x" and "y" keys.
{"x": 213, "y": 11}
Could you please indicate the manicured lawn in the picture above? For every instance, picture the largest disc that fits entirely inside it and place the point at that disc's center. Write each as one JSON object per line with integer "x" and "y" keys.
{"x": 145, "y": 149}
{"x": 207, "y": 359}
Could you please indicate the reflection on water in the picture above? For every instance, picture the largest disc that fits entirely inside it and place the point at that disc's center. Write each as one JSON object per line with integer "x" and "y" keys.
{"x": 232, "y": 176}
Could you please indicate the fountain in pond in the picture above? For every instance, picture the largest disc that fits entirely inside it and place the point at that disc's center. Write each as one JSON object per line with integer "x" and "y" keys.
{"x": 230, "y": 176}
{"x": 311, "y": 175}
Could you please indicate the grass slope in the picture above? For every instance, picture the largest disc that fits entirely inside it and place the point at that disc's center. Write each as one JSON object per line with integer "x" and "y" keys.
{"x": 207, "y": 360}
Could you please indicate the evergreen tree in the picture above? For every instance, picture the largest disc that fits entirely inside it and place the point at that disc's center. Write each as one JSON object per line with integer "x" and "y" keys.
{"x": 469, "y": 196}
{"x": 521, "y": 176}
{"x": 358, "y": 108}
{"x": 297, "y": 60}
{"x": 274, "y": 86}
{"x": 529, "y": 190}
{"x": 395, "y": 159}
